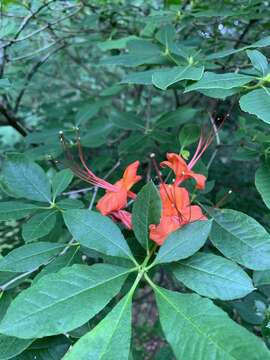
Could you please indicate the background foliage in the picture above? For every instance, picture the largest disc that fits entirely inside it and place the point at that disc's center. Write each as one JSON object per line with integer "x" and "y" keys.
{"x": 136, "y": 77}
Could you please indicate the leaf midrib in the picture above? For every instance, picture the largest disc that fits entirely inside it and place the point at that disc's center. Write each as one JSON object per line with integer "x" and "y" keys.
{"x": 193, "y": 324}
{"x": 70, "y": 297}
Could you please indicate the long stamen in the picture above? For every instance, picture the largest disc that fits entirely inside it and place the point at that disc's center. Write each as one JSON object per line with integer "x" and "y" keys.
{"x": 86, "y": 174}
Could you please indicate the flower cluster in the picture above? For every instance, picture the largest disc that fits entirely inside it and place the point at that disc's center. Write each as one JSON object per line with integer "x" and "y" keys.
{"x": 176, "y": 205}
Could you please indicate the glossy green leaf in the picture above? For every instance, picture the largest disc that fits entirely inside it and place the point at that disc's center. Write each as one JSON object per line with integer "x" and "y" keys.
{"x": 212, "y": 80}
{"x": 87, "y": 112}
{"x": 15, "y": 210}
{"x": 39, "y": 225}
{"x": 213, "y": 276}
{"x": 30, "y": 256}
{"x": 97, "y": 232}
{"x": 26, "y": 179}
{"x": 110, "y": 339}
{"x": 197, "y": 329}
{"x": 146, "y": 211}
{"x": 262, "y": 183}
{"x": 166, "y": 78}
{"x": 257, "y": 102}
{"x": 258, "y": 60}
{"x": 63, "y": 301}
{"x": 60, "y": 181}
{"x": 184, "y": 242}
{"x": 116, "y": 43}
{"x": 241, "y": 238}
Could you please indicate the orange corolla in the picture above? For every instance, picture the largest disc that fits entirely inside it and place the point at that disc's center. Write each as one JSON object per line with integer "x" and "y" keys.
{"x": 116, "y": 199}
{"x": 116, "y": 196}
{"x": 176, "y": 212}
{"x": 182, "y": 170}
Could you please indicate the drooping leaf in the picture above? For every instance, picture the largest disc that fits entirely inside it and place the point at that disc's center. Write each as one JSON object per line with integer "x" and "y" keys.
{"x": 81, "y": 291}
{"x": 213, "y": 276}
{"x": 39, "y": 225}
{"x": 15, "y": 210}
{"x": 146, "y": 211}
{"x": 163, "y": 79}
{"x": 258, "y": 60}
{"x": 127, "y": 121}
{"x": 197, "y": 329}
{"x": 184, "y": 242}
{"x": 262, "y": 183}
{"x": 61, "y": 181}
{"x": 26, "y": 179}
{"x": 219, "y": 81}
{"x": 241, "y": 238}
{"x": 257, "y": 102}
{"x": 30, "y": 256}
{"x": 110, "y": 339}
{"x": 97, "y": 232}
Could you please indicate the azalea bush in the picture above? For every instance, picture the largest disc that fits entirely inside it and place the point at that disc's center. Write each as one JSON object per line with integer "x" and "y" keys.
{"x": 135, "y": 180}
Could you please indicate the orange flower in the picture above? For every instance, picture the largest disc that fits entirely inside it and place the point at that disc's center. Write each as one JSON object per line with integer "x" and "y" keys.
{"x": 115, "y": 200}
{"x": 176, "y": 212}
{"x": 182, "y": 170}
{"x": 116, "y": 196}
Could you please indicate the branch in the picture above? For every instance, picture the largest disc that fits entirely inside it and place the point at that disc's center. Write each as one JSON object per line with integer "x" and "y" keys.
{"x": 12, "y": 119}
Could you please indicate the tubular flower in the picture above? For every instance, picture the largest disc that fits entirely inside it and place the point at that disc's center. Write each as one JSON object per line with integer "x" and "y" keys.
{"x": 182, "y": 170}
{"x": 116, "y": 196}
{"x": 176, "y": 212}
{"x": 116, "y": 199}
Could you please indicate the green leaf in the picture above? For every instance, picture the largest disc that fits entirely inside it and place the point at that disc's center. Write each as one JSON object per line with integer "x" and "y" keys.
{"x": 241, "y": 238}
{"x": 262, "y": 183}
{"x": 177, "y": 117}
{"x": 68, "y": 203}
{"x": 81, "y": 290}
{"x": 116, "y": 43}
{"x": 110, "y": 339}
{"x": 163, "y": 79}
{"x": 4, "y": 83}
{"x": 139, "y": 78}
{"x": 261, "y": 278}
{"x": 257, "y": 102}
{"x": 60, "y": 182}
{"x": 258, "y": 44}
{"x": 26, "y": 179}
{"x": 189, "y": 134}
{"x": 97, "y": 232}
{"x": 213, "y": 276}
{"x": 51, "y": 348}
{"x": 212, "y": 80}
{"x": 197, "y": 329}
{"x": 258, "y": 60}
{"x": 184, "y": 242}
{"x": 10, "y": 346}
{"x": 15, "y": 210}
{"x": 29, "y": 257}
{"x": 68, "y": 259}
{"x": 88, "y": 111}
{"x": 39, "y": 225}
{"x": 127, "y": 121}
{"x": 146, "y": 211}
